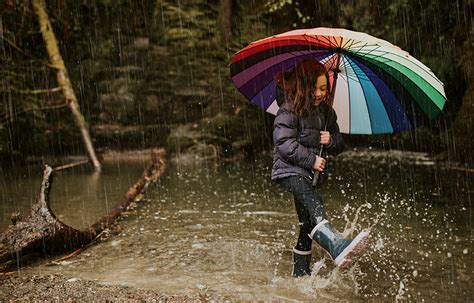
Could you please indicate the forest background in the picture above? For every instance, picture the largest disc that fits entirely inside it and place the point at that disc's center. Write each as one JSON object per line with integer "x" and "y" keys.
{"x": 155, "y": 73}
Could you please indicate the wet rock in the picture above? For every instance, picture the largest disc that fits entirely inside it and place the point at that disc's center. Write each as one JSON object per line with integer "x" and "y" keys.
{"x": 141, "y": 42}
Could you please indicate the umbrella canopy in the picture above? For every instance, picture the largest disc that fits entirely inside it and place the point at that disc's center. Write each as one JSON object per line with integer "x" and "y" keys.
{"x": 380, "y": 87}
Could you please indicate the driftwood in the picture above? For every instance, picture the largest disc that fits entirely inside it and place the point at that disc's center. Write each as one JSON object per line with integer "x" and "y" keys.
{"x": 41, "y": 232}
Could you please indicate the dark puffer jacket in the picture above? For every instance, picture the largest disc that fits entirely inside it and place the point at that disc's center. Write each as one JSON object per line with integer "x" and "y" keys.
{"x": 296, "y": 139}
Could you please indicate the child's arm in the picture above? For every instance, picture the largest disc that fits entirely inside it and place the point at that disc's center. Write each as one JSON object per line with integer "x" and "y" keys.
{"x": 285, "y": 129}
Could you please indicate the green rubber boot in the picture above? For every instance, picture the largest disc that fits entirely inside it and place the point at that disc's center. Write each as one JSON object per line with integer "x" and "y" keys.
{"x": 342, "y": 251}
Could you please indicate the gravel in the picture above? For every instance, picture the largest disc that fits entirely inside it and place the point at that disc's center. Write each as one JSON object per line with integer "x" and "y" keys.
{"x": 58, "y": 288}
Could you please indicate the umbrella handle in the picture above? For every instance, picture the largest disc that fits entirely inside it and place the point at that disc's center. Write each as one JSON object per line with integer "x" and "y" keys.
{"x": 316, "y": 172}
{"x": 315, "y": 178}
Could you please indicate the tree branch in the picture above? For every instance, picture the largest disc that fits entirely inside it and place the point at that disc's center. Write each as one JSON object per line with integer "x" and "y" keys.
{"x": 36, "y": 91}
{"x": 17, "y": 48}
{"x": 7, "y": 117}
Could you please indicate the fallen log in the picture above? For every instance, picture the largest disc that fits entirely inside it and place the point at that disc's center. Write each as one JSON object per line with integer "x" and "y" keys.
{"x": 41, "y": 232}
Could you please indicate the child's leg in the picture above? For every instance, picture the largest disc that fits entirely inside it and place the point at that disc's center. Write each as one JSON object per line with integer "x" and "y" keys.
{"x": 304, "y": 242}
{"x": 308, "y": 208}
{"x": 302, "y": 249}
{"x": 308, "y": 203}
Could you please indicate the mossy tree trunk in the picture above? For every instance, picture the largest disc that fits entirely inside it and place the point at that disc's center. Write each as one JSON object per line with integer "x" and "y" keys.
{"x": 63, "y": 78}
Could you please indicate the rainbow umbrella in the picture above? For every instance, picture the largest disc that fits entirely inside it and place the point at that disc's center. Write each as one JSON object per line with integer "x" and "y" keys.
{"x": 380, "y": 87}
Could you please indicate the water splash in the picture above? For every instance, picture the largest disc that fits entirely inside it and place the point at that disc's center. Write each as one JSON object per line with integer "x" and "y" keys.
{"x": 201, "y": 227}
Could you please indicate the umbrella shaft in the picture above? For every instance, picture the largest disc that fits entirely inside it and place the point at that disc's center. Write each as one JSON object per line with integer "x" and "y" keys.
{"x": 336, "y": 71}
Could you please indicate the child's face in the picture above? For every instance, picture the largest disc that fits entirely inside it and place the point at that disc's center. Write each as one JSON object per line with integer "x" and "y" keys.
{"x": 320, "y": 90}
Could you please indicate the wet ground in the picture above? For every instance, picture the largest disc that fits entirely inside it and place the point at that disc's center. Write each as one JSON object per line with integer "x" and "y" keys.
{"x": 226, "y": 231}
{"x": 58, "y": 288}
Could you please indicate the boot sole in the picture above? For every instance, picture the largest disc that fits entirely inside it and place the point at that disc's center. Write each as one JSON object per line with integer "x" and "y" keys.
{"x": 345, "y": 258}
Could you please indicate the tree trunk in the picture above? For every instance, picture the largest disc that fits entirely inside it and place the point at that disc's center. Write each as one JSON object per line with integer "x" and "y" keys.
{"x": 63, "y": 78}
{"x": 42, "y": 232}
{"x": 225, "y": 20}
{"x": 463, "y": 127}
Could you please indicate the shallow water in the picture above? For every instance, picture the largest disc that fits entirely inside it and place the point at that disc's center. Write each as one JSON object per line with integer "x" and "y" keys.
{"x": 228, "y": 230}
{"x": 79, "y": 196}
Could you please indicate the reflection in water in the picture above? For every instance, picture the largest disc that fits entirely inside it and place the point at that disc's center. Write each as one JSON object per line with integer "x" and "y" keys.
{"x": 229, "y": 230}
{"x": 79, "y": 196}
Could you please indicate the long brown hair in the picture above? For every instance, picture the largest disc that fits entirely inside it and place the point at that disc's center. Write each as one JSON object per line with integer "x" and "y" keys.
{"x": 300, "y": 83}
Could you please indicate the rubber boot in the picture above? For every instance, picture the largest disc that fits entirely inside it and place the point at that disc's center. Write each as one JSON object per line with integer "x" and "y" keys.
{"x": 342, "y": 251}
{"x": 301, "y": 263}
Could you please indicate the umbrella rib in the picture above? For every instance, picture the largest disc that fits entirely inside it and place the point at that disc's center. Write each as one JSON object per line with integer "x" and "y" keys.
{"x": 359, "y": 50}
{"x": 328, "y": 39}
{"x": 264, "y": 45}
{"x": 358, "y": 81}
{"x": 348, "y": 74}
{"x": 397, "y": 54}
{"x": 387, "y": 69}
{"x": 335, "y": 41}
{"x": 354, "y": 42}
{"x": 347, "y": 42}
{"x": 295, "y": 54}
{"x": 385, "y": 62}
{"x": 343, "y": 62}
{"x": 351, "y": 42}
{"x": 243, "y": 64}
{"x": 316, "y": 37}
{"x": 373, "y": 52}
{"x": 380, "y": 96}
{"x": 348, "y": 98}
{"x": 266, "y": 83}
{"x": 331, "y": 60}
{"x": 422, "y": 66}
{"x": 352, "y": 63}
{"x": 306, "y": 37}
{"x": 418, "y": 88}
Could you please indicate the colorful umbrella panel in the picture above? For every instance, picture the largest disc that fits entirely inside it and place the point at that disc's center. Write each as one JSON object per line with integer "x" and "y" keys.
{"x": 380, "y": 88}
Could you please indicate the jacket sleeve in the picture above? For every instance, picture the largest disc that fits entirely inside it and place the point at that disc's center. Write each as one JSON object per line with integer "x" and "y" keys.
{"x": 337, "y": 142}
{"x": 285, "y": 130}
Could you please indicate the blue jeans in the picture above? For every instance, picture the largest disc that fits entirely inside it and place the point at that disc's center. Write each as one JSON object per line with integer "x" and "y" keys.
{"x": 309, "y": 207}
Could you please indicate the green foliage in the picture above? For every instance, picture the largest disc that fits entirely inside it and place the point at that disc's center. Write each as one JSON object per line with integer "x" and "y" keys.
{"x": 288, "y": 14}
{"x": 143, "y": 69}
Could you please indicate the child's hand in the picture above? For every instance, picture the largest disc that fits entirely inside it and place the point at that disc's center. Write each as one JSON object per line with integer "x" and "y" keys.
{"x": 319, "y": 164}
{"x": 324, "y": 137}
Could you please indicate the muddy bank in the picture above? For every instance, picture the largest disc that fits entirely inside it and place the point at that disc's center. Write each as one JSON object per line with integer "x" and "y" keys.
{"x": 56, "y": 287}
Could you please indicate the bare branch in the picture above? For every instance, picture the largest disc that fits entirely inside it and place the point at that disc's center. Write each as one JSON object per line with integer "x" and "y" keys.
{"x": 12, "y": 44}
{"x": 6, "y": 117}
{"x": 36, "y": 91}
{"x": 66, "y": 166}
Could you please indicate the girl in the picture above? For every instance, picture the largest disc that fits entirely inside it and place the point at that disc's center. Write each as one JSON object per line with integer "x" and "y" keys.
{"x": 297, "y": 134}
